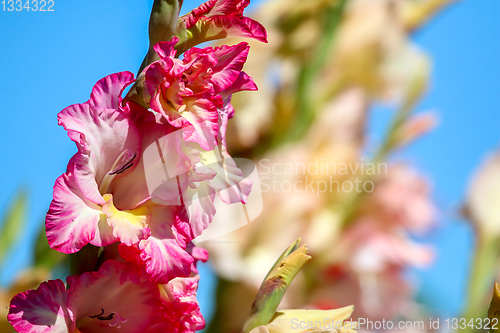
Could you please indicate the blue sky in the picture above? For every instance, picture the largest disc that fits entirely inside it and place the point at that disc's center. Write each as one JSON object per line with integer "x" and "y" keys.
{"x": 464, "y": 44}
{"x": 50, "y": 60}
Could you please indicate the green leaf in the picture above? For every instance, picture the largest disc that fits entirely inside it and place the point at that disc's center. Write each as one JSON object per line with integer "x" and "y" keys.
{"x": 12, "y": 223}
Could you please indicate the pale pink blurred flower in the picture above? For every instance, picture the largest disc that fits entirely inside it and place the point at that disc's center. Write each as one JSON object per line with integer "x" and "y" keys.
{"x": 402, "y": 197}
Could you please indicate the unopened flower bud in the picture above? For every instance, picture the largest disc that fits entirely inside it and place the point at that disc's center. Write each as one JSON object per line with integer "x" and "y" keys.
{"x": 275, "y": 284}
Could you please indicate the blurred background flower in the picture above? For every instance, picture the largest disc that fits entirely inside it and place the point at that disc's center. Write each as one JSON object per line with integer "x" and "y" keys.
{"x": 348, "y": 153}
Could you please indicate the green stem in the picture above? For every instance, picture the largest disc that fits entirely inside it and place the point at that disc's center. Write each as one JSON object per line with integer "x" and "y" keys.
{"x": 481, "y": 280}
{"x": 307, "y": 104}
{"x": 351, "y": 203}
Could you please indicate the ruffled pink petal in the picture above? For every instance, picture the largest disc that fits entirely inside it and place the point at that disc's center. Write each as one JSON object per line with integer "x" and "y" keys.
{"x": 229, "y": 182}
{"x": 243, "y": 82}
{"x": 218, "y": 27}
{"x": 128, "y": 226}
{"x": 131, "y": 190}
{"x": 199, "y": 206}
{"x": 230, "y": 61}
{"x": 136, "y": 187}
{"x": 163, "y": 257}
{"x": 107, "y": 91}
{"x": 205, "y": 9}
{"x": 72, "y": 219}
{"x": 166, "y": 49}
{"x": 108, "y": 142}
{"x": 203, "y": 124}
{"x": 43, "y": 310}
{"x": 226, "y": 113}
{"x": 215, "y": 7}
{"x": 198, "y": 254}
{"x": 182, "y": 309}
{"x": 166, "y": 162}
{"x": 119, "y": 293}
{"x": 198, "y": 119}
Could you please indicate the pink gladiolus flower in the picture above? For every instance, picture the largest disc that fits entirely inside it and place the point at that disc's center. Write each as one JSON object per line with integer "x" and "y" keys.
{"x": 217, "y": 19}
{"x": 117, "y": 298}
{"x": 193, "y": 95}
{"x": 109, "y": 147}
{"x": 103, "y": 198}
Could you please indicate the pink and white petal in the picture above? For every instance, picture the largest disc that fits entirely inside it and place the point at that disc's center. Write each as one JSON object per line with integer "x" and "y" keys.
{"x": 203, "y": 10}
{"x": 104, "y": 136}
{"x": 203, "y": 118}
{"x": 85, "y": 172}
{"x": 103, "y": 234}
{"x": 171, "y": 67}
{"x": 182, "y": 230}
{"x": 72, "y": 219}
{"x": 154, "y": 75}
{"x": 43, "y": 310}
{"x": 166, "y": 49}
{"x": 244, "y": 82}
{"x": 226, "y": 113}
{"x": 129, "y": 226}
{"x": 230, "y": 183}
{"x": 230, "y": 61}
{"x": 201, "y": 173}
{"x": 168, "y": 110}
{"x": 107, "y": 91}
{"x": 253, "y": 29}
{"x": 164, "y": 258}
{"x": 215, "y": 7}
{"x": 179, "y": 156}
{"x": 218, "y": 27}
{"x": 167, "y": 193}
{"x": 198, "y": 253}
{"x": 182, "y": 309}
{"x": 199, "y": 206}
{"x": 125, "y": 296}
{"x": 132, "y": 189}
{"x": 165, "y": 156}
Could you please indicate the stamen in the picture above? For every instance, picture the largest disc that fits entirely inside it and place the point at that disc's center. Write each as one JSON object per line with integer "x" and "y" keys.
{"x": 97, "y": 315}
{"x": 124, "y": 167}
{"x": 126, "y": 156}
{"x": 122, "y": 163}
{"x": 107, "y": 317}
{"x": 117, "y": 321}
{"x": 116, "y": 318}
